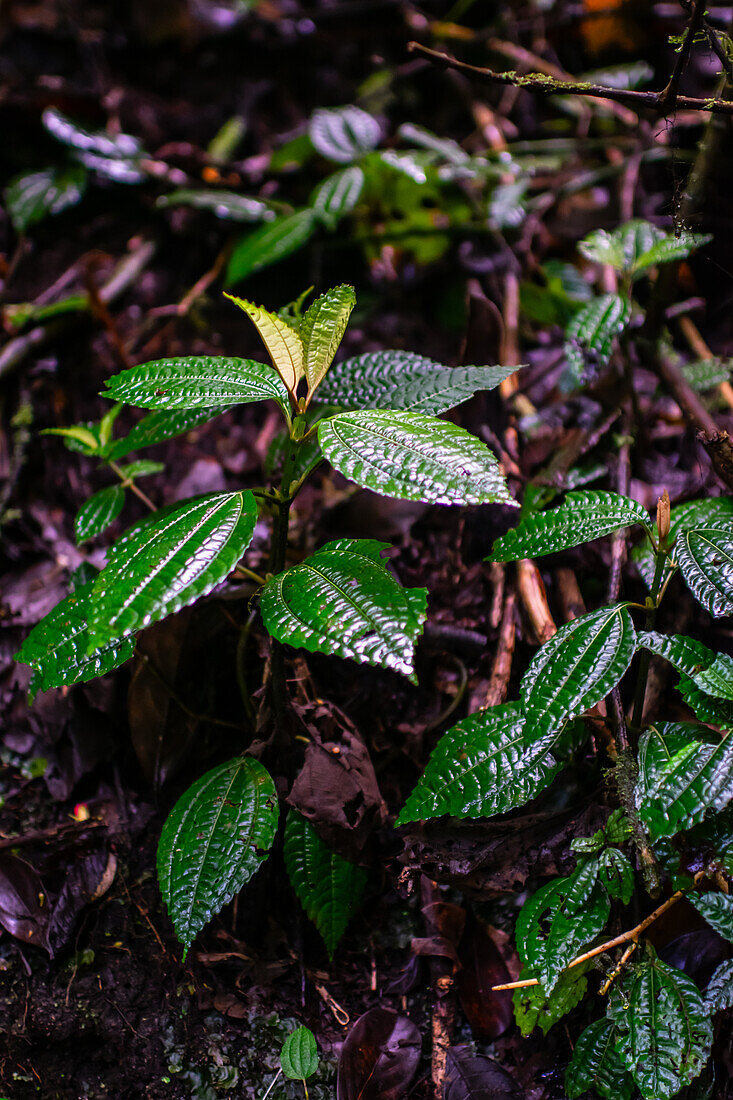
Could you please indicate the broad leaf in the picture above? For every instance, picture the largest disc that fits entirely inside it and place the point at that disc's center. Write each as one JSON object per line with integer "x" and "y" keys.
{"x": 591, "y": 332}
{"x": 471, "y": 1076}
{"x": 665, "y": 1033}
{"x": 413, "y": 457}
{"x": 343, "y": 134}
{"x": 96, "y": 514}
{"x": 157, "y": 427}
{"x": 617, "y": 875}
{"x": 711, "y": 672}
{"x": 705, "y": 558}
{"x": 481, "y": 767}
{"x": 717, "y": 909}
{"x": 706, "y": 374}
{"x": 682, "y": 777}
{"x": 709, "y": 709}
{"x": 283, "y": 342}
{"x": 582, "y": 883}
{"x": 549, "y": 938}
{"x": 141, "y": 467}
{"x": 195, "y": 382}
{"x": 343, "y": 600}
{"x": 707, "y": 512}
{"x": 299, "y": 1056}
{"x": 115, "y": 156}
{"x": 670, "y": 249}
{"x": 228, "y": 205}
{"x": 577, "y": 668}
{"x": 338, "y": 195}
{"x": 533, "y": 1007}
{"x": 322, "y": 330}
{"x": 379, "y": 1057}
{"x": 581, "y": 517}
{"x": 58, "y": 647}
{"x": 270, "y": 243}
{"x": 215, "y": 838}
{"x": 623, "y": 247}
{"x": 31, "y": 197}
{"x": 596, "y": 1065}
{"x": 168, "y": 560}
{"x": 719, "y": 992}
{"x": 404, "y": 380}
{"x": 329, "y": 887}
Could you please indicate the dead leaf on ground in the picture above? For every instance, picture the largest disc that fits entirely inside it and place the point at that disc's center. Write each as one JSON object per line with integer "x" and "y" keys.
{"x": 379, "y": 1058}
{"x": 472, "y": 1076}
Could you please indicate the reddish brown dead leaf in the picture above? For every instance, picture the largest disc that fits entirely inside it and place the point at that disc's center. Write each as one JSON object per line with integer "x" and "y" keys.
{"x": 379, "y": 1057}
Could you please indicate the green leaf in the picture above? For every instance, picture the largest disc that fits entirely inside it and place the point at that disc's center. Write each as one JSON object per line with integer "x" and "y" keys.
{"x": 337, "y": 195}
{"x": 581, "y": 884}
{"x": 33, "y": 196}
{"x": 665, "y": 1033}
{"x": 719, "y": 992}
{"x": 322, "y": 330}
{"x": 717, "y": 909}
{"x": 343, "y": 600}
{"x": 712, "y": 711}
{"x": 711, "y": 672}
{"x": 269, "y": 244}
{"x": 707, "y": 512}
{"x": 57, "y": 649}
{"x": 591, "y": 332}
{"x": 623, "y": 247}
{"x": 670, "y": 249}
{"x": 194, "y": 382}
{"x": 343, "y": 134}
{"x": 215, "y": 838}
{"x": 224, "y": 204}
{"x": 79, "y": 437}
{"x": 683, "y": 775}
{"x": 705, "y": 558}
{"x": 404, "y": 380}
{"x": 481, "y": 767}
{"x": 706, "y": 374}
{"x": 533, "y": 1007}
{"x": 157, "y": 427}
{"x": 299, "y": 1055}
{"x": 168, "y": 560}
{"x": 596, "y": 1065}
{"x": 581, "y": 517}
{"x": 329, "y": 887}
{"x": 96, "y": 514}
{"x": 283, "y": 342}
{"x": 577, "y": 668}
{"x": 412, "y": 457}
{"x": 549, "y": 938}
{"x": 617, "y": 875}
{"x": 115, "y": 156}
{"x": 142, "y": 467}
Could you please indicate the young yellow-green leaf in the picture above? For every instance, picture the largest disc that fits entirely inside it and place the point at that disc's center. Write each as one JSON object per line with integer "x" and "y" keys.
{"x": 711, "y": 672}
{"x": 717, "y": 909}
{"x": 195, "y": 382}
{"x": 343, "y": 600}
{"x": 96, "y": 514}
{"x": 57, "y": 649}
{"x": 168, "y": 560}
{"x": 664, "y": 1030}
{"x": 591, "y": 332}
{"x": 159, "y": 426}
{"x": 322, "y": 330}
{"x": 577, "y": 668}
{"x": 329, "y": 887}
{"x": 549, "y": 938}
{"x": 338, "y": 195}
{"x": 404, "y": 380}
{"x": 411, "y": 456}
{"x": 270, "y": 243}
{"x": 596, "y": 1065}
{"x": 283, "y": 342}
{"x": 705, "y": 558}
{"x": 87, "y": 441}
{"x": 141, "y": 467}
{"x": 215, "y": 838}
{"x": 343, "y": 134}
{"x": 481, "y": 767}
{"x": 684, "y": 773}
{"x": 299, "y": 1055}
{"x": 533, "y": 1007}
{"x": 719, "y": 992}
{"x": 582, "y": 517}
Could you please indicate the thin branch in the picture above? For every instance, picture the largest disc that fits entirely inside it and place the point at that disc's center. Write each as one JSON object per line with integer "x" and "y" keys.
{"x": 669, "y": 95}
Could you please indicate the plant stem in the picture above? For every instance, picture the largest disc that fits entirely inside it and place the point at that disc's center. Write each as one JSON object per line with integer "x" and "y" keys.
{"x": 651, "y": 615}
{"x": 128, "y": 483}
{"x": 278, "y": 556}
{"x": 272, "y": 1084}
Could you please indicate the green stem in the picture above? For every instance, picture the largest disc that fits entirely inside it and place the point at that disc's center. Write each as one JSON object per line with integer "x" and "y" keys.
{"x": 651, "y": 614}
{"x": 128, "y": 483}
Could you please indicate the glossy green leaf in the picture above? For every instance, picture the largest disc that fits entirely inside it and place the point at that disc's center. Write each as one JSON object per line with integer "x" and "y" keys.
{"x": 549, "y": 938}
{"x": 709, "y": 709}
{"x": 338, "y": 195}
{"x": 684, "y": 773}
{"x": 411, "y": 456}
{"x": 159, "y": 426}
{"x": 329, "y": 887}
{"x": 113, "y": 146}
{"x": 711, "y": 672}
{"x": 322, "y": 330}
{"x": 582, "y": 517}
{"x": 717, "y": 909}
{"x": 215, "y": 838}
{"x": 83, "y": 438}
{"x": 591, "y": 332}
{"x": 343, "y": 600}
{"x": 227, "y": 205}
{"x": 705, "y": 558}
{"x": 404, "y": 380}
{"x": 283, "y": 342}
{"x": 481, "y": 767}
{"x": 168, "y": 560}
{"x": 577, "y": 668}
{"x": 96, "y": 514}
{"x": 664, "y": 1030}
{"x": 269, "y": 244}
{"x": 142, "y": 467}
{"x": 719, "y": 992}
{"x": 596, "y": 1065}
{"x": 582, "y": 884}
{"x": 533, "y": 1007}
{"x": 706, "y": 512}
{"x": 299, "y": 1055}
{"x": 343, "y": 134}
{"x": 58, "y": 647}
{"x": 623, "y": 247}
{"x": 197, "y": 381}
{"x": 33, "y": 196}
{"x": 671, "y": 249}
{"x": 617, "y": 875}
